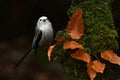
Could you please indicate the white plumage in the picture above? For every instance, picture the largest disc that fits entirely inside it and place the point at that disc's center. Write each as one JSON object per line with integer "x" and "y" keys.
{"x": 44, "y": 27}
{"x": 43, "y": 37}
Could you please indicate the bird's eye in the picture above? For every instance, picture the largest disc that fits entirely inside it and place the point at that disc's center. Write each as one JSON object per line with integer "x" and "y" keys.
{"x": 44, "y": 20}
{"x": 40, "y": 19}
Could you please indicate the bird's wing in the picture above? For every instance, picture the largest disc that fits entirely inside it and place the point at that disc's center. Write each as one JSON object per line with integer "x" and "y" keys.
{"x": 37, "y": 38}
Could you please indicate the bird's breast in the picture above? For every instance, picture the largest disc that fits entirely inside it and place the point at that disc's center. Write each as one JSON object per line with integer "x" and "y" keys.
{"x": 47, "y": 36}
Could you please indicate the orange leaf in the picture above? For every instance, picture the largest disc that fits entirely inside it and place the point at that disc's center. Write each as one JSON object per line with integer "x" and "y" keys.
{"x": 75, "y": 27}
{"x": 72, "y": 45}
{"x": 90, "y": 71}
{"x": 98, "y": 66}
{"x": 50, "y": 51}
{"x": 110, "y": 56}
{"x": 94, "y": 67}
{"x": 60, "y": 39}
{"x": 80, "y": 55}
{"x": 52, "y": 48}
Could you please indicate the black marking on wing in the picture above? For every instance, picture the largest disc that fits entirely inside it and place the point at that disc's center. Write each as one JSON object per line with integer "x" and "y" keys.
{"x": 36, "y": 44}
{"x": 34, "y": 47}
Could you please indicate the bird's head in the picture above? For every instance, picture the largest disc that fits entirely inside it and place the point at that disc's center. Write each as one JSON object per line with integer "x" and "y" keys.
{"x": 43, "y": 21}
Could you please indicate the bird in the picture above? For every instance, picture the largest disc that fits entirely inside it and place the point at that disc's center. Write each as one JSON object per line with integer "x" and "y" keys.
{"x": 43, "y": 37}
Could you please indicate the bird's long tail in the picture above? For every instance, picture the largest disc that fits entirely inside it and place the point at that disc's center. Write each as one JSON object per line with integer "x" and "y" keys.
{"x": 29, "y": 51}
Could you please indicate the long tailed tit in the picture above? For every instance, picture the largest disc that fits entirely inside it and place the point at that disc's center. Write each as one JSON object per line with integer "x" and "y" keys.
{"x": 43, "y": 36}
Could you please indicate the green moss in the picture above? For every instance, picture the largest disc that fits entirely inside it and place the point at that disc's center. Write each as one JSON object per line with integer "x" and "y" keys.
{"x": 100, "y": 34}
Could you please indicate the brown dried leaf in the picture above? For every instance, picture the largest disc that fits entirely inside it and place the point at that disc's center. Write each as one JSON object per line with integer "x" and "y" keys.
{"x": 60, "y": 39}
{"x": 75, "y": 27}
{"x": 50, "y": 51}
{"x": 110, "y": 56}
{"x": 72, "y": 45}
{"x": 52, "y": 48}
{"x": 90, "y": 71}
{"x": 98, "y": 66}
{"x": 80, "y": 55}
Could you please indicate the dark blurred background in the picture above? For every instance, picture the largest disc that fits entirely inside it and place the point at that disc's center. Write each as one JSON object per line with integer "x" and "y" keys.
{"x": 19, "y": 17}
{"x": 17, "y": 22}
